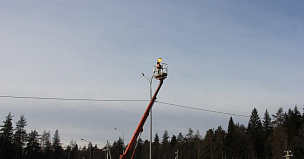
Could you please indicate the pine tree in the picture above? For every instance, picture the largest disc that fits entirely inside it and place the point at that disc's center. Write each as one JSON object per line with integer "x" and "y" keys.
{"x": 6, "y": 140}
{"x": 165, "y": 146}
{"x": 278, "y": 118}
{"x": 301, "y": 142}
{"x": 267, "y": 127}
{"x": 20, "y": 136}
{"x": 218, "y": 143}
{"x": 73, "y": 150}
{"x": 278, "y": 135}
{"x": 117, "y": 148}
{"x": 173, "y": 141}
{"x": 255, "y": 134}
{"x": 230, "y": 140}
{"x": 145, "y": 149}
{"x": 57, "y": 145}
{"x": 207, "y": 147}
{"x": 189, "y": 144}
{"x": 197, "y": 145}
{"x": 293, "y": 126}
{"x": 33, "y": 147}
{"x": 173, "y": 145}
{"x": 180, "y": 145}
{"x": 267, "y": 123}
{"x": 240, "y": 141}
{"x": 156, "y": 147}
{"x": 46, "y": 145}
{"x": 139, "y": 148}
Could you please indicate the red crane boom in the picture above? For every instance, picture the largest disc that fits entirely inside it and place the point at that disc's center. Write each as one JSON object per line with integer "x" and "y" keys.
{"x": 139, "y": 128}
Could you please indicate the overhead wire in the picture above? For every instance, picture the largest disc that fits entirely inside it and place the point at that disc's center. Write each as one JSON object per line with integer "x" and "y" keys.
{"x": 206, "y": 110}
{"x": 120, "y": 100}
{"x": 76, "y": 99}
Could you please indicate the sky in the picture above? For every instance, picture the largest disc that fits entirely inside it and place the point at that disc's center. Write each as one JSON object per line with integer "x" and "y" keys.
{"x": 225, "y": 56}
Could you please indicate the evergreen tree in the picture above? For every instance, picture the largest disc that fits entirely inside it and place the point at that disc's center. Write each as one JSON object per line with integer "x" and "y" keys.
{"x": 207, "y": 147}
{"x": 255, "y": 134}
{"x": 139, "y": 148}
{"x": 180, "y": 138}
{"x": 278, "y": 118}
{"x": 189, "y": 144}
{"x": 301, "y": 137}
{"x": 20, "y": 136}
{"x": 292, "y": 126}
{"x": 33, "y": 147}
{"x": 219, "y": 143}
{"x": 120, "y": 145}
{"x": 145, "y": 149}
{"x": 73, "y": 150}
{"x": 165, "y": 146}
{"x": 117, "y": 148}
{"x": 267, "y": 127}
{"x": 57, "y": 145}
{"x": 180, "y": 146}
{"x": 300, "y": 142}
{"x": 240, "y": 141}
{"x": 230, "y": 140}
{"x": 190, "y": 135}
{"x": 6, "y": 140}
{"x": 173, "y": 145}
{"x": 46, "y": 145}
{"x": 197, "y": 145}
{"x": 267, "y": 124}
{"x": 278, "y": 135}
{"x": 156, "y": 147}
{"x": 173, "y": 141}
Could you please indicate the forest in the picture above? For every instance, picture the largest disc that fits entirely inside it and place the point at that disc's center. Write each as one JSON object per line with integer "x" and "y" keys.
{"x": 269, "y": 137}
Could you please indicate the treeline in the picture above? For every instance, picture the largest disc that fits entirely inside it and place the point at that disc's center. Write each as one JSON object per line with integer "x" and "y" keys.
{"x": 266, "y": 138}
{"x": 16, "y": 143}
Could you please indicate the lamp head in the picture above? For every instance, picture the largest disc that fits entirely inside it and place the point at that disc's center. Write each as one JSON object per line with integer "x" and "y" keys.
{"x": 142, "y": 74}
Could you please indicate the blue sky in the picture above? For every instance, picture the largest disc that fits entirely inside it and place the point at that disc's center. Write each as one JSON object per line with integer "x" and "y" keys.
{"x": 226, "y": 56}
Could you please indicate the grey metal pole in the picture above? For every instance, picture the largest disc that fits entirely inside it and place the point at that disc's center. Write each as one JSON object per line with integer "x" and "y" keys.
{"x": 150, "y": 120}
{"x": 90, "y": 150}
{"x": 150, "y": 82}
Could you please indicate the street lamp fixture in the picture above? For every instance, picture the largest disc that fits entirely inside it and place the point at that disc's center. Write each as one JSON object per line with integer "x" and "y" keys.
{"x": 123, "y": 139}
{"x": 90, "y": 143}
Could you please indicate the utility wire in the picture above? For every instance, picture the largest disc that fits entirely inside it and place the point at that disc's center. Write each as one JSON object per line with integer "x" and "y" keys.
{"x": 121, "y": 100}
{"x": 75, "y": 99}
{"x": 206, "y": 110}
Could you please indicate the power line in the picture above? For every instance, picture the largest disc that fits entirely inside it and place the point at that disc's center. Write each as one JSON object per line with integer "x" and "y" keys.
{"x": 76, "y": 99}
{"x": 206, "y": 110}
{"x": 121, "y": 100}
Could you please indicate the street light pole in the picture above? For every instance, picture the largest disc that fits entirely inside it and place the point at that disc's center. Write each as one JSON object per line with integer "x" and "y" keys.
{"x": 150, "y": 81}
{"x": 123, "y": 139}
{"x": 90, "y": 143}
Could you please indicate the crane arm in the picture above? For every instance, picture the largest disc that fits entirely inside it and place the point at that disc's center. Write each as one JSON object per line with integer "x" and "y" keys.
{"x": 139, "y": 128}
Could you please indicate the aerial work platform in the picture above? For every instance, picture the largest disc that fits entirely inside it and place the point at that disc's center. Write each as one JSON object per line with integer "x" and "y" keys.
{"x": 160, "y": 71}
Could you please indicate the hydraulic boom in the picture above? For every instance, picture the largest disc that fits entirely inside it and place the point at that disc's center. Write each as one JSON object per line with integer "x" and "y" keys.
{"x": 139, "y": 128}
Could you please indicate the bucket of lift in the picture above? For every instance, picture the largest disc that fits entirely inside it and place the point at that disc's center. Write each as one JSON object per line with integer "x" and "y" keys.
{"x": 160, "y": 71}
